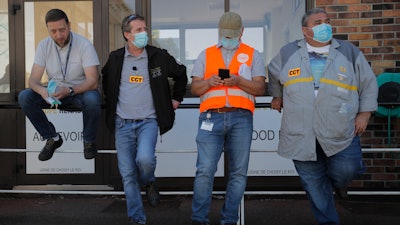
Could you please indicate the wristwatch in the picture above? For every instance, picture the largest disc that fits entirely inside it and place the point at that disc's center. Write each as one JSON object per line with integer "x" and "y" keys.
{"x": 71, "y": 91}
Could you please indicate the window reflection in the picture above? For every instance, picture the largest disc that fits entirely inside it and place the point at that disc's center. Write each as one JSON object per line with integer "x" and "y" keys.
{"x": 4, "y": 48}
{"x": 118, "y": 9}
{"x": 192, "y": 27}
{"x": 276, "y": 23}
{"x": 5, "y": 80}
{"x": 198, "y": 43}
{"x": 167, "y": 39}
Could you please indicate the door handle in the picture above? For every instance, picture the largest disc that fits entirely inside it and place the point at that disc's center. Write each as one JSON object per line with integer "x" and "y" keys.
{"x": 14, "y": 8}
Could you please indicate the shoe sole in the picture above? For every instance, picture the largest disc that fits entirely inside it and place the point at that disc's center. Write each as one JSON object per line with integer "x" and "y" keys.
{"x": 90, "y": 155}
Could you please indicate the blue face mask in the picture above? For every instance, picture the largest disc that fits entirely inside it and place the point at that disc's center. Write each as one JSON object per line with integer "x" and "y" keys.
{"x": 141, "y": 39}
{"x": 230, "y": 43}
{"x": 322, "y": 33}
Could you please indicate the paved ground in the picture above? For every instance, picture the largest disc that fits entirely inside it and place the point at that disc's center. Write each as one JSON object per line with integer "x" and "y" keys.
{"x": 33, "y": 209}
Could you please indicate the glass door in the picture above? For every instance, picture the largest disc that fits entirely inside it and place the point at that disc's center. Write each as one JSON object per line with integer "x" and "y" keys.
{"x": 68, "y": 166}
{"x": 4, "y": 52}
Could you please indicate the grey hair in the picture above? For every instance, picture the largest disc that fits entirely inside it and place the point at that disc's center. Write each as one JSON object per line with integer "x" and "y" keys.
{"x": 304, "y": 20}
{"x": 125, "y": 26}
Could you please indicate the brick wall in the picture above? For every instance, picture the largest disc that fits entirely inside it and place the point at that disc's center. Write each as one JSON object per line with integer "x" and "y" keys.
{"x": 373, "y": 26}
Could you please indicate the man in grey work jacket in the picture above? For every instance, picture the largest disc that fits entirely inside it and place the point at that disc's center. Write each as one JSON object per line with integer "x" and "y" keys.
{"x": 328, "y": 92}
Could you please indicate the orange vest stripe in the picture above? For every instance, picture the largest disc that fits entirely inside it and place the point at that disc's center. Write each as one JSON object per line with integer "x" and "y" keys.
{"x": 218, "y": 97}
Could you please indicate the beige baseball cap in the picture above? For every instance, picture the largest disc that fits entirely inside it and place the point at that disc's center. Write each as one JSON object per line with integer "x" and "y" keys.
{"x": 230, "y": 25}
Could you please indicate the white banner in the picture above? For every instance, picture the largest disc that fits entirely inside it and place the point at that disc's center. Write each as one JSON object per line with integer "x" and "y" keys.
{"x": 177, "y": 151}
{"x": 68, "y": 159}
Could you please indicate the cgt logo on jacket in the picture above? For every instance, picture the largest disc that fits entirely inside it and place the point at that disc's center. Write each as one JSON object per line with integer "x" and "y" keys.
{"x": 294, "y": 72}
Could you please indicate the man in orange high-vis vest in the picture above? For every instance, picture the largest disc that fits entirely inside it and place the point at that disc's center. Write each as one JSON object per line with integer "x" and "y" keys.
{"x": 227, "y": 77}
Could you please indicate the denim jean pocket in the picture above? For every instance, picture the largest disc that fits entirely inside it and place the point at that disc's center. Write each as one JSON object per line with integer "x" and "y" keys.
{"x": 119, "y": 123}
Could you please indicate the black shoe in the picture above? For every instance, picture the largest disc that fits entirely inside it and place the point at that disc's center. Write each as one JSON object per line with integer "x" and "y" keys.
{"x": 153, "y": 197}
{"x": 341, "y": 192}
{"x": 48, "y": 150}
{"x": 90, "y": 150}
{"x": 199, "y": 223}
{"x": 135, "y": 223}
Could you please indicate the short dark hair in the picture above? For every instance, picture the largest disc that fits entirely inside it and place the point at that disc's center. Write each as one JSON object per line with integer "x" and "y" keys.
{"x": 125, "y": 27}
{"x": 56, "y": 15}
{"x": 304, "y": 20}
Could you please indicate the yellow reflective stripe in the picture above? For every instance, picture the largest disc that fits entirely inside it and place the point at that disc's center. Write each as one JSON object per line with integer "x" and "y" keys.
{"x": 298, "y": 80}
{"x": 338, "y": 84}
{"x": 239, "y": 92}
{"x": 322, "y": 80}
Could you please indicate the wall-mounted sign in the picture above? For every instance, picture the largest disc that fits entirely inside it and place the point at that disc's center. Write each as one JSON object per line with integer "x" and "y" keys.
{"x": 68, "y": 159}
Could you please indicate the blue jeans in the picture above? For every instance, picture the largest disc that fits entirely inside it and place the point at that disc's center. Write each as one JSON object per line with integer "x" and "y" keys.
{"x": 136, "y": 143}
{"x": 89, "y": 102}
{"x": 231, "y": 133}
{"x": 318, "y": 178}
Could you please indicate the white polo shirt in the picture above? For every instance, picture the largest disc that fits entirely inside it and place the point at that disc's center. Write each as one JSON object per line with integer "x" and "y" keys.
{"x": 54, "y": 59}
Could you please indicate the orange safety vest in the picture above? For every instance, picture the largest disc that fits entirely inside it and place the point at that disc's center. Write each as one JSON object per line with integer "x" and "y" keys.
{"x": 218, "y": 97}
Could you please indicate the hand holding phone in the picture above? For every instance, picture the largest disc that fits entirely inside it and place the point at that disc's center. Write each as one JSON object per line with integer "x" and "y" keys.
{"x": 223, "y": 73}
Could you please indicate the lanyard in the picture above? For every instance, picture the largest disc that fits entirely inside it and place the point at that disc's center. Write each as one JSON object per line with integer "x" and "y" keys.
{"x": 64, "y": 72}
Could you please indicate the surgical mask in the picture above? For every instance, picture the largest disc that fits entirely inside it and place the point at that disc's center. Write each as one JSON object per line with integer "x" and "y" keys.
{"x": 141, "y": 39}
{"x": 230, "y": 43}
{"x": 322, "y": 33}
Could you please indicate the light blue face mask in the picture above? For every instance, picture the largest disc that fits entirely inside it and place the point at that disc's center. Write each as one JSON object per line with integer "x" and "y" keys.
{"x": 141, "y": 39}
{"x": 52, "y": 88}
{"x": 230, "y": 43}
{"x": 322, "y": 33}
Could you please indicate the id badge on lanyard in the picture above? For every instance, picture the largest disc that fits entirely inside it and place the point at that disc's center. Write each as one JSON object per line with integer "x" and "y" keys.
{"x": 207, "y": 124}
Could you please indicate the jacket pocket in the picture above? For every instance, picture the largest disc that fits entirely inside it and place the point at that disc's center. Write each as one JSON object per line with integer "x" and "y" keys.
{"x": 293, "y": 120}
{"x": 340, "y": 121}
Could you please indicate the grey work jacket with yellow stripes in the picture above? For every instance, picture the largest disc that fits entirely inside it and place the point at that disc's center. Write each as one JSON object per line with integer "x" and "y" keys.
{"x": 348, "y": 86}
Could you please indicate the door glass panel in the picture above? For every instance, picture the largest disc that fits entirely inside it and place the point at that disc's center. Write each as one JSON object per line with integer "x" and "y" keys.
{"x": 118, "y": 9}
{"x": 270, "y": 24}
{"x": 185, "y": 32}
{"x": 4, "y": 48}
{"x": 80, "y": 14}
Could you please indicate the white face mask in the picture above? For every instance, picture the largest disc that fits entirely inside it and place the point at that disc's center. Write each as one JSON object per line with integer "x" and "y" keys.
{"x": 141, "y": 39}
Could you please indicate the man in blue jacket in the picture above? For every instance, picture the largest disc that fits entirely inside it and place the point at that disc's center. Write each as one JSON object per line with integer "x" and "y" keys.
{"x": 328, "y": 92}
{"x": 138, "y": 103}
